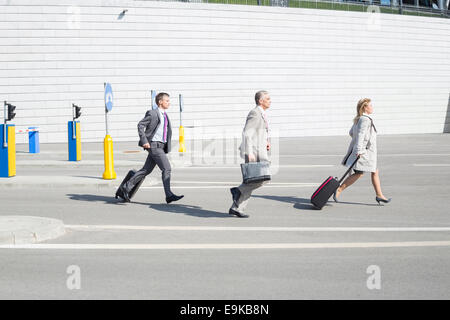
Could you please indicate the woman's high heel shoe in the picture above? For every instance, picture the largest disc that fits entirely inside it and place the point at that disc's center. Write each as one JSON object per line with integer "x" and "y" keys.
{"x": 382, "y": 200}
{"x": 334, "y": 197}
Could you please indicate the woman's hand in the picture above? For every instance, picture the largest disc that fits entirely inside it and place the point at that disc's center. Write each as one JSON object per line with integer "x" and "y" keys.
{"x": 251, "y": 158}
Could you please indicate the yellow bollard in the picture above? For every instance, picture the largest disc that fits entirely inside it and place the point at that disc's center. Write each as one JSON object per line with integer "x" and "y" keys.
{"x": 109, "y": 173}
{"x": 182, "y": 145}
{"x": 78, "y": 141}
{"x": 11, "y": 150}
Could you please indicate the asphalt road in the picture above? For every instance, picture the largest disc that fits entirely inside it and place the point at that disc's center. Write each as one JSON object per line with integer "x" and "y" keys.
{"x": 193, "y": 249}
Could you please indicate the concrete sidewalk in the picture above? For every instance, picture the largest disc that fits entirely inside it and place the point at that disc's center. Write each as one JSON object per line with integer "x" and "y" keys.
{"x": 25, "y": 229}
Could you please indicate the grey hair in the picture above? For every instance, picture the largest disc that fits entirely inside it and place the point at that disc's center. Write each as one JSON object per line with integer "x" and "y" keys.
{"x": 260, "y": 95}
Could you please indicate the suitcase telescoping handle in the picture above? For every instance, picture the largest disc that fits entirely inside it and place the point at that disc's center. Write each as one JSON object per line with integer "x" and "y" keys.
{"x": 349, "y": 169}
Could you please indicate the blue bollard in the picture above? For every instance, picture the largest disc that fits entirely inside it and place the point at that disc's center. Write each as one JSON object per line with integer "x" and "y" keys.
{"x": 8, "y": 153}
{"x": 74, "y": 143}
{"x": 33, "y": 140}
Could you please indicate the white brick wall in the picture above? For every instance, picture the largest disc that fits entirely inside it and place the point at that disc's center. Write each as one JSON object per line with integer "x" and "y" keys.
{"x": 315, "y": 63}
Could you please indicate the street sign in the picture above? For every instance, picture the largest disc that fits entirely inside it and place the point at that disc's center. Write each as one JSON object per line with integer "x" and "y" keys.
{"x": 108, "y": 97}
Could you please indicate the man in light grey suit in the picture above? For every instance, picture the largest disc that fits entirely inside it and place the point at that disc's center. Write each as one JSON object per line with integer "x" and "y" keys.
{"x": 155, "y": 134}
{"x": 254, "y": 148}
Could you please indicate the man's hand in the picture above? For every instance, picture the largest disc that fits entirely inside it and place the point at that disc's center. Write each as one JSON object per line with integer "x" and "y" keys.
{"x": 251, "y": 158}
{"x": 146, "y": 146}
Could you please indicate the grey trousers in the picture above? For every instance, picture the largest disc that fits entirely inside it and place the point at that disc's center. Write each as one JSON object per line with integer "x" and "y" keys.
{"x": 246, "y": 190}
{"x": 156, "y": 156}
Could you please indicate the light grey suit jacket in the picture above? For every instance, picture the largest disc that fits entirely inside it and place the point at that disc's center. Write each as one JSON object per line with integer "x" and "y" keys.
{"x": 364, "y": 142}
{"x": 255, "y": 136}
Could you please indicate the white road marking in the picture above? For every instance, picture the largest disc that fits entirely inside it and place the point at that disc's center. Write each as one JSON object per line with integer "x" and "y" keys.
{"x": 234, "y": 185}
{"x": 234, "y": 182}
{"x": 431, "y": 165}
{"x": 281, "y": 229}
{"x": 222, "y": 246}
{"x": 274, "y": 165}
{"x": 230, "y": 184}
{"x": 382, "y": 155}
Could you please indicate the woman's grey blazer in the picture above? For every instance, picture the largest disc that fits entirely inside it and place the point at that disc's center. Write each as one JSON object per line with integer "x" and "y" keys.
{"x": 364, "y": 142}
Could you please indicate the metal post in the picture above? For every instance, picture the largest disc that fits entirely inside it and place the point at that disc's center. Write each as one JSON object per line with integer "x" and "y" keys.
{"x": 74, "y": 133}
{"x": 180, "y": 100}
{"x": 5, "y": 143}
{"x": 106, "y": 119}
{"x": 182, "y": 147}
{"x": 106, "y": 113}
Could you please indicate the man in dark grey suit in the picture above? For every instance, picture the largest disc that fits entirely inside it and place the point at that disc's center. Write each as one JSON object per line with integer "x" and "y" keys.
{"x": 155, "y": 134}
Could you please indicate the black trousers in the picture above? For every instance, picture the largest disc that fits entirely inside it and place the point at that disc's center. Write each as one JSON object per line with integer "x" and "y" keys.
{"x": 156, "y": 156}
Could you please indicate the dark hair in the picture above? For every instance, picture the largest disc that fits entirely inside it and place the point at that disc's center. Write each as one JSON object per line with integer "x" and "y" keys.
{"x": 259, "y": 95}
{"x": 160, "y": 96}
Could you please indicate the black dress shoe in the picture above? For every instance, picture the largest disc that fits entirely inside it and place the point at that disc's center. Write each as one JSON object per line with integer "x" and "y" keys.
{"x": 236, "y": 194}
{"x": 237, "y": 214}
{"x": 173, "y": 198}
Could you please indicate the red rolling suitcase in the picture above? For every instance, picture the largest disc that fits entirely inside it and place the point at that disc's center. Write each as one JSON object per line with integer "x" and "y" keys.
{"x": 135, "y": 188}
{"x": 327, "y": 188}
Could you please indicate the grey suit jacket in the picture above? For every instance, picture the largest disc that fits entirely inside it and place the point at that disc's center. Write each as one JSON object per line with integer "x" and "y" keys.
{"x": 364, "y": 142}
{"x": 147, "y": 128}
{"x": 255, "y": 136}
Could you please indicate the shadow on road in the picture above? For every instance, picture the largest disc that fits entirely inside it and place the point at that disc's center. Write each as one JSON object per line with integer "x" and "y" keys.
{"x": 90, "y": 177}
{"x": 305, "y": 204}
{"x": 360, "y": 203}
{"x": 299, "y": 203}
{"x": 94, "y": 198}
{"x": 195, "y": 211}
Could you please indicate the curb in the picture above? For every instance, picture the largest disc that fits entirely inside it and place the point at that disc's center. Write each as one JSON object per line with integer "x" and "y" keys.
{"x": 26, "y": 229}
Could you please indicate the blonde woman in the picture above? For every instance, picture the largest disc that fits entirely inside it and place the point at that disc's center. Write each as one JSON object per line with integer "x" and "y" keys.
{"x": 364, "y": 145}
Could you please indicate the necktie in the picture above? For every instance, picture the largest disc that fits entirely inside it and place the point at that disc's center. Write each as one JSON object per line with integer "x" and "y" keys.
{"x": 165, "y": 127}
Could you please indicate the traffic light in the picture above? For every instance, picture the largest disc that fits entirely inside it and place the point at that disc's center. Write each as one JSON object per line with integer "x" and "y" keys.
{"x": 11, "y": 113}
{"x": 77, "y": 111}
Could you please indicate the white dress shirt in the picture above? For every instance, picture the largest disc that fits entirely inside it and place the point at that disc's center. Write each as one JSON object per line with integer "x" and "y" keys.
{"x": 159, "y": 134}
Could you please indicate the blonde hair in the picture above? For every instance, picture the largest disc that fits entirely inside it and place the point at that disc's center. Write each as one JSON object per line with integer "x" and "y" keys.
{"x": 360, "y": 108}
